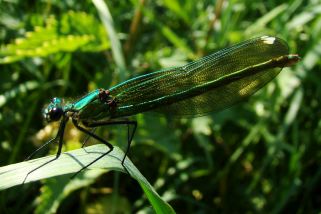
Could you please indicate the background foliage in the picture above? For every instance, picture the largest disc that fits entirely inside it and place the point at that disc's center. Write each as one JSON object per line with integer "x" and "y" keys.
{"x": 262, "y": 155}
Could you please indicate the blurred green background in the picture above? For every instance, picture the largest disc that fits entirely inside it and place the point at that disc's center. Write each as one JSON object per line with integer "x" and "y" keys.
{"x": 260, "y": 156}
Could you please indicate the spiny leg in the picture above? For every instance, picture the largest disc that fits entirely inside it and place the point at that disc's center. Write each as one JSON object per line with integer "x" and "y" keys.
{"x": 87, "y": 138}
{"x": 91, "y": 134}
{"x": 59, "y": 136}
{"x": 129, "y": 135}
{"x": 41, "y": 147}
{"x": 129, "y": 140}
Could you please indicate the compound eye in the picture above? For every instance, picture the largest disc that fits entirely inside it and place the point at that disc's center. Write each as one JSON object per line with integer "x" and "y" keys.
{"x": 55, "y": 114}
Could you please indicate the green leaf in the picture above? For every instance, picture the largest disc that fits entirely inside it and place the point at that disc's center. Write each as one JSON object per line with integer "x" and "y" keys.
{"x": 260, "y": 24}
{"x": 171, "y": 36}
{"x": 71, "y": 162}
{"x": 116, "y": 48}
{"x": 73, "y": 31}
{"x": 178, "y": 8}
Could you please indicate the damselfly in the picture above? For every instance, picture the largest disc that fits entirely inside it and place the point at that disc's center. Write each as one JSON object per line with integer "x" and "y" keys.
{"x": 212, "y": 83}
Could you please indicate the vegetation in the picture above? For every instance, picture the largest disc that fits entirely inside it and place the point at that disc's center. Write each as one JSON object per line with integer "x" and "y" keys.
{"x": 262, "y": 155}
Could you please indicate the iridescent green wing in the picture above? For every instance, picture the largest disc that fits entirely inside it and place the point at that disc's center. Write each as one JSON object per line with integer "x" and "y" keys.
{"x": 168, "y": 92}
{"x": 136, "y": 81}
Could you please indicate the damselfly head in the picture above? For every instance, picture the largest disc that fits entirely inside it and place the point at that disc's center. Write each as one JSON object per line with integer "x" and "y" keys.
{"x": 54, "y": 111}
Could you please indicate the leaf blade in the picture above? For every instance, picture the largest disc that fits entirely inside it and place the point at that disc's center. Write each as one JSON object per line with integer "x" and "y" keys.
{"x": 72, "y": 162}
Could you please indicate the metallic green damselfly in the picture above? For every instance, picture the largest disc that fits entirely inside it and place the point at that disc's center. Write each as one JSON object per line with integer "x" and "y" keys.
{"x": 210, "y": 84}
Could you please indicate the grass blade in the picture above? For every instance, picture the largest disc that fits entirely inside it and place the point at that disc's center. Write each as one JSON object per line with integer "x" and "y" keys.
{"x": 71, "y": 162}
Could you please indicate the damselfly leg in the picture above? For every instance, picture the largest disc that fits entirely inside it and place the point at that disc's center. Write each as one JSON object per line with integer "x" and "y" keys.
{"x": 59, "y": 137}
{"x": 110, "y": 146}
